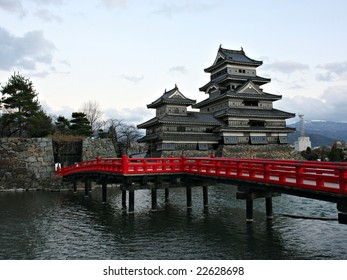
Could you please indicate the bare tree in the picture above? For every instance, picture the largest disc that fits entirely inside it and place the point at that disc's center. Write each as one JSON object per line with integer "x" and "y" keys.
{"x": 94, "y": 114}
{"x": 128, "y": 136}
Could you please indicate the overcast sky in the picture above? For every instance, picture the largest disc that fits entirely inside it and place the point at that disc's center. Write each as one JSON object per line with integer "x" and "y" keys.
{"x": 125, "y": 53}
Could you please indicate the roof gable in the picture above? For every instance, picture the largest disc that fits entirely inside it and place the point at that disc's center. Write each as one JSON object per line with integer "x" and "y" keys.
{"x": 177, "y": 95}
{"x": 250, "y": 88}
{"x": 173, "y": 96}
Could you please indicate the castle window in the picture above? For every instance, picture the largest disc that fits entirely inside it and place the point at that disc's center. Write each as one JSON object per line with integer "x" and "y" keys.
{"x": 252, "y": 103}
{"x": 258, "y": 140}
{"x": 256, "y": 123}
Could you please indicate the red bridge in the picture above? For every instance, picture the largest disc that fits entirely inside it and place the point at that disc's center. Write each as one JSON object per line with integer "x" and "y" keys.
{"x": 254, "y": 177}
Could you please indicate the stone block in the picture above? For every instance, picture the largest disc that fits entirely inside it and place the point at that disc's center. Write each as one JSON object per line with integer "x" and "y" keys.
{"x": 32, "y": 159}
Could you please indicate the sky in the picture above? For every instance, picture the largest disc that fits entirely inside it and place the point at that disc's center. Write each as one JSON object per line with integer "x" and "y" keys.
{"x": 125, "y": 53}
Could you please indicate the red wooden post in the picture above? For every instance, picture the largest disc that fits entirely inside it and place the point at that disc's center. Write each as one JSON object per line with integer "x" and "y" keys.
{"x": 183, "y": 162}
{"x": 343, "y": 180}
{"x": 124, "y": 164}
{"x": 299, "y": 175}
{"x": 217, "y": 166}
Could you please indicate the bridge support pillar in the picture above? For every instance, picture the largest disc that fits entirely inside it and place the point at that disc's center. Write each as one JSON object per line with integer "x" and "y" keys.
{"x": 167, "y": 192}
{"x": 154, "y": 199}
{"x": 74, "y": 186}
{"x": 268, "y": 205}
{"x": 249, "y": 209}
{"x": 189, "y": 196}
{"x": 86, "y": 188}
{"x": 249, "y": 194}
{"x": 342, "y": 208}
{"x": 124, "y": 199}
{"x": 205, "y": 196}
{"x": 104, "y": 192}
{"x": 131, "y": 201}
{"x": 89, "y": 186}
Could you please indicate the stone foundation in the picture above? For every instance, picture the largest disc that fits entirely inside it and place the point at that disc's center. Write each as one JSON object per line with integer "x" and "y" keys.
{"x": 91, "y": 148}
{"x": 270, "y": 151}
{"x": 27, "y": 164}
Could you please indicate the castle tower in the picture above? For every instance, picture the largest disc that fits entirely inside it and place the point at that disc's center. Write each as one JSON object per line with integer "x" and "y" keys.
{"x": 174, "y": 129}
{"x": 235, "y": 97}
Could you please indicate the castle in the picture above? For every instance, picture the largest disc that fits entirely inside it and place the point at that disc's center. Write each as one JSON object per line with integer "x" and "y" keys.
{"x": 236, "y": 118}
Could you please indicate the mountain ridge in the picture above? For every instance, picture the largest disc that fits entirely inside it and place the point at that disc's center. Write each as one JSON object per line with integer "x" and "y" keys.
{"x": 321, "y": 132}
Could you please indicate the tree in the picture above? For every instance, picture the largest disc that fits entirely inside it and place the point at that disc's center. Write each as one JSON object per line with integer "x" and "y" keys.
{"x": 128, "y": 135}
{"x": 93, "y": 114}
{"x": 40, "y": 125}
{"x": 22, "y": 112}
{"x": 309, "y": 154}
{"x": 80, "y": 125}
{"x": 336, "y": 153}
{"x": 62, "y": 125}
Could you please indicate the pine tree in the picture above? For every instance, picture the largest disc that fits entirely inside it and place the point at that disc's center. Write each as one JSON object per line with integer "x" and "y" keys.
{"x": 22, "y": 113}
{"x": 80, "y": 125}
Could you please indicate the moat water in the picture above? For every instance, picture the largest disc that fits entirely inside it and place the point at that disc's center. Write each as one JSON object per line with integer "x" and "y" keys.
{"x": 47, "y": 225}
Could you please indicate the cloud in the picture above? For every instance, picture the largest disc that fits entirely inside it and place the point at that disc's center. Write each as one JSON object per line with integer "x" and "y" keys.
{"x": 24, "y": 52}
{"x": 12, "y": 6}
{"x": 114, "y": 3}
{"x": 129, "y": 115}
{"x": 47, "y": 16}
{"x": 133, "y": 79}
{"x": 65, "y": 111}
{"x": 330, "y": 106}
{"x": 17, "y": 7}
{"x": 65, "y": 62}
{"x": 187, "y": 7}
{"x": 332, "y": 71}
{"x": 286, "y": 67}
{"x": 180, "y": 69}
{"x": 48, "y": 2}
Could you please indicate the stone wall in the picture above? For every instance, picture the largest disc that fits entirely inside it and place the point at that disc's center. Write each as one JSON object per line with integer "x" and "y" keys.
{"x": 270, "y": 151}
{"x": 27, "y": 163}
{"x": 92, "y": 148}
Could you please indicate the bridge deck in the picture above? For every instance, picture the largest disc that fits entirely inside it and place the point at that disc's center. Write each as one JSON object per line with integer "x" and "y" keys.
{"x": 326, "y": 177}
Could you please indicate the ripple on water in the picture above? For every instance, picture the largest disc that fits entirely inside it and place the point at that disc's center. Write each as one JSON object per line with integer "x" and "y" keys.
{"x": 69, "y": 226}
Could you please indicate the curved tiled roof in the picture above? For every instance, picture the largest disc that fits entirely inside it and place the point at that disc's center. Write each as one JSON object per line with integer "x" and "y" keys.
{"x": 245, "y": 112}
{"x": 173, "y": 96}
{"x": 235, "y": 95}
{"x": 233, "y": 57}
{"x": 196, "y": 118}
{"x": 221, "y": 79}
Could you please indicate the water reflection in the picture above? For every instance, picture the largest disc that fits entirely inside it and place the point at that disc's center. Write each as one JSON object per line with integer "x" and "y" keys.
{"x": 44, "y": 225}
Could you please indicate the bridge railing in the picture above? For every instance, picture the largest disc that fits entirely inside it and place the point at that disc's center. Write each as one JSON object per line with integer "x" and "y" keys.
{"x": 151, "y": 165}
{"x": 108, "y": 165}
{"x": 320, "y": 176}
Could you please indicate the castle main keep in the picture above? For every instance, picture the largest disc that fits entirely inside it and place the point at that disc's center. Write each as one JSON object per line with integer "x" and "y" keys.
{"x": 236, "y": 119}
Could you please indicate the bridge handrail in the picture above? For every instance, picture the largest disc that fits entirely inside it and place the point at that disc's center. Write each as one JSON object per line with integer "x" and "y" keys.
{"x": 320, "y": 176}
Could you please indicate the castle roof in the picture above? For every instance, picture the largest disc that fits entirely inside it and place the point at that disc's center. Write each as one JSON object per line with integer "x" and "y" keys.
{"x": 247, "y": 91}
{"x": 173, "y": 96}
{"x": 256, "y": 113}
{"x": 184, "y": 136}
{"x": 225, "y": 56}
{"x": 224, "y": 79}
{"x": 194, "y": 118}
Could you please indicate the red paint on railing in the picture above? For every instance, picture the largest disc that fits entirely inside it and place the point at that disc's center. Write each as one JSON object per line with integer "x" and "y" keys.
{"x": 321, "y": 176}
